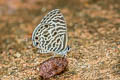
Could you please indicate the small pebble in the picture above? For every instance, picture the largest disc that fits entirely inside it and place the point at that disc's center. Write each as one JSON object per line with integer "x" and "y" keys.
{"x": 52, "y": 67}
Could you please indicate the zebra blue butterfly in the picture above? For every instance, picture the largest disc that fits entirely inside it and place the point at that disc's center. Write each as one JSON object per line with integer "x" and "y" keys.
{"x": 51, "y": 34}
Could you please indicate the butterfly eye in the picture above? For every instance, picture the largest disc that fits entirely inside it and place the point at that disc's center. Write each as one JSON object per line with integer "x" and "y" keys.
{"x": 68, "y": 48}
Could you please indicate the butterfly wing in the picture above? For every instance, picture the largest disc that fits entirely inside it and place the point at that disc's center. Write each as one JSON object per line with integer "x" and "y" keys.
{"x": 51, "y": 34}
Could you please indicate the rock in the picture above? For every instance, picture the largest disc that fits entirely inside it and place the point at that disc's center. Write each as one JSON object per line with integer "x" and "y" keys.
{"x": 52, "y": 67}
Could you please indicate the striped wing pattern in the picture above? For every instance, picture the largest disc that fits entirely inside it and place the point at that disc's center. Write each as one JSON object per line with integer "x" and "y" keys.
{"x": 51, "y": 34}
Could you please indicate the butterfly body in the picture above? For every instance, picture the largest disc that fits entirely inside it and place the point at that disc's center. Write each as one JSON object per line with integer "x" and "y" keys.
{"x": 51, "y": 34}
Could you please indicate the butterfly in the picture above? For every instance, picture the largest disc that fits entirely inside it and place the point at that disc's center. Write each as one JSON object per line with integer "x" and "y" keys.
{"x": 51, "y": 34}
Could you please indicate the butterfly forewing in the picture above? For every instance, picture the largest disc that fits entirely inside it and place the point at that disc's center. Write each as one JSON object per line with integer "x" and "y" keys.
{"x": 51, "y": 34}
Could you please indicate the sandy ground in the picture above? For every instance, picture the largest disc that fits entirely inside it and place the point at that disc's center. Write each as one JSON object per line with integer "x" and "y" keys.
{"x": 94, "y": 37}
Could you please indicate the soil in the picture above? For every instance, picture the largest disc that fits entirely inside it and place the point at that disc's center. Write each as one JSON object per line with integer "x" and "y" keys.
{"x": 93, "y": 34}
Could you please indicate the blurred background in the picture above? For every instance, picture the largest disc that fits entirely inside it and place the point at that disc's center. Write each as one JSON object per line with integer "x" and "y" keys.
{"x": 93, "y": 30}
